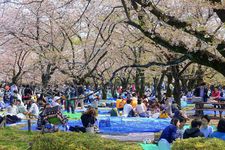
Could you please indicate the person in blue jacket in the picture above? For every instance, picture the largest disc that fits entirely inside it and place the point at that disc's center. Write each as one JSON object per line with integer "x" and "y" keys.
{"x": 220, "y": 133}
{"x": 170, "y": 132}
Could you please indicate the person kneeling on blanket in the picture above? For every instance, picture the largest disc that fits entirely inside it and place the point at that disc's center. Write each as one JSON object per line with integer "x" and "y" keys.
{"x": 49, "y": 113}
{"x": 88, "y": 119}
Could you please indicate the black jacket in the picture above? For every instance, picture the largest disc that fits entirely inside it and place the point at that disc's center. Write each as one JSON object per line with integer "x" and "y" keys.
{"x": 193, "y": 132}
{"x": 197, "y": 93}
{"x": 88, "y": 120}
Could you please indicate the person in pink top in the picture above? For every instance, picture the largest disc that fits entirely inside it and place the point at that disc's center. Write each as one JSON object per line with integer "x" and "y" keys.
{"x": 215, "y": 96}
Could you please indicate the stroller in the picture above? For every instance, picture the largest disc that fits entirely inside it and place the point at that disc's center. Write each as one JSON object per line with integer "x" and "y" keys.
{"x": 50, "y": 118}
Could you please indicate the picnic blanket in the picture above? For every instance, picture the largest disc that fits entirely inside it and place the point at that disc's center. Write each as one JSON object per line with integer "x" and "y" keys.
{"x": 121, "y": 125}
{"x": 73, "y": 116}
{"x": 149, "y": 146}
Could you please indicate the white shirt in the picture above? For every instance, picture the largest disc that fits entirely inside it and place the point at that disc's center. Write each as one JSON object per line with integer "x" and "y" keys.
{"x": 55, "y": 104}
{"x": 12, "y": 110}
{"x": 34, "y": 110}
{"x": 126, "y": 109}
{"x": 140, "y": 108}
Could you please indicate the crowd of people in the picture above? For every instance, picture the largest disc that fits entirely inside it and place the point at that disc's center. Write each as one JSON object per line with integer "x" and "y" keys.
{"x": 20, "y": 102}
{"x": 29, "y": 102}
{"x": 198, "y": 128}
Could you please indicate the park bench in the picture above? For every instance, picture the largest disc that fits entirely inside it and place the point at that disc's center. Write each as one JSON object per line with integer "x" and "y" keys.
{"x": 220, "y": 110}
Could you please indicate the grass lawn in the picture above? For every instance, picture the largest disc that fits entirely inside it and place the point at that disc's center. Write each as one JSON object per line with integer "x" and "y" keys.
{"x": 12, "y": 138}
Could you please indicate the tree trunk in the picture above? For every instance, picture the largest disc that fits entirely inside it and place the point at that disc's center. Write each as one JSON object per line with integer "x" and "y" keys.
{"x": 142, "y": 83}
{"x": 155, "y": 83}
{"x": 159, "y": 86}
{"x": 113, "y": 90}
{"x": 104, "y": 92}
{"x": 46, "y": 75}
{"x": 169, "y": 81}
{"x": 137, "y": 80}
{"x": 177, "y": 87}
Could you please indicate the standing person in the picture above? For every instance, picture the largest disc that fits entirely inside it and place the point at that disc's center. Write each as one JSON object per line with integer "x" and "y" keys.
{"x": 70, "y": 96}
{"x": 80, "y": 93}
{"x": 215, "y": 96}
{"x": 220, "y": 133}
{"x": 200, "y": 93}
{"x": 194, "y": 131}
{"x": 205, "y": 128}
{"x": 27, "y": 93}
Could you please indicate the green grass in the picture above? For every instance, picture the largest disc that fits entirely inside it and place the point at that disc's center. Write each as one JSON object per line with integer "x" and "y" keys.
{"x": 15, "y": 139}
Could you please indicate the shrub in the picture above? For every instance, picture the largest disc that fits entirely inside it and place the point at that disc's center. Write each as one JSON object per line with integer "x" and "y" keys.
{"x": 199, "y": 144}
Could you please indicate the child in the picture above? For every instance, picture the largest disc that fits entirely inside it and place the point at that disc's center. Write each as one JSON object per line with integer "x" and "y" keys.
{"x": 194, "y": 131}
{"x": 205, "y": 128}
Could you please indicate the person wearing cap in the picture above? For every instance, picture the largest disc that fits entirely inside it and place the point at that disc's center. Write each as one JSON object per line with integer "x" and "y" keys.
{"x": 56, "y": 101}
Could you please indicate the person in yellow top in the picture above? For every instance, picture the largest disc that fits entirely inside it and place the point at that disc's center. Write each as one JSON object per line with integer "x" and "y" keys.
{"x": 134, "y": 100}
{"x": 164, "y": 115}
{"x": 120, "y": 104}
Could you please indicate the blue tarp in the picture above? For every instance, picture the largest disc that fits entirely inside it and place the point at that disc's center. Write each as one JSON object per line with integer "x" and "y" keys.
{"x": 120, "y": 125}
{"x": 131, "y": 125}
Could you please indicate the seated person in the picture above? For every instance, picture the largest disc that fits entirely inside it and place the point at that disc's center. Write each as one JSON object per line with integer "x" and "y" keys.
{"x": 2, "y": 104}
{"x": 11, "y": 113}
{"x": 155, "y": 110}
{"x": 178, "y": 114}
{"x": 128, "y": 109}
{"x": 88, "y": 119}
{"x": 205, "y": 128}
{"x": 220, "y": 133}
{"x": 163, "y": 115}
{"x": 114, "y": 112}
{"x": 170, "y": 132}
{"x": 134, "y": 100}
{"x": 141, "y": 109}
{"x": 33, "y": 110}
{"x": 21, "y": 109}
{"x": 180, "y": 130}
{"x": 41, "y": 121}
{"x": 120, "y": 103}
{"x": 168, "y": 106}
{"x": 56, "y": 101}
{"x": 194, "y": 131}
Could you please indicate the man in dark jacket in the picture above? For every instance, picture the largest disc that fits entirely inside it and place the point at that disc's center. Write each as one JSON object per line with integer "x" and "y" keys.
{"x": 194, "y": 131}
{"x": 202, "y": 93}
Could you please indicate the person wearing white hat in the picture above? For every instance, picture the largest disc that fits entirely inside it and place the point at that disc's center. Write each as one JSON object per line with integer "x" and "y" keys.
{"x": 56, "y": 101}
